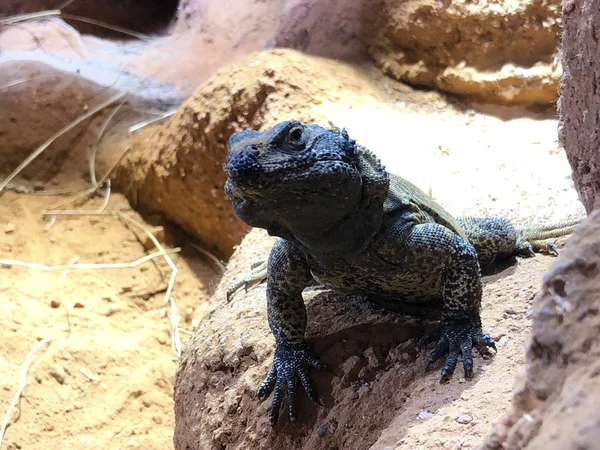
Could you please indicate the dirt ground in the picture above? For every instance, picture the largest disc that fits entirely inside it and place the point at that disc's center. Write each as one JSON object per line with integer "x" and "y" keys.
{"x": 106, "y": 378}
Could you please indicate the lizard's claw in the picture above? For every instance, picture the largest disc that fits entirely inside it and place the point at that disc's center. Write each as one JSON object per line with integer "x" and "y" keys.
{"x": 289, "y": 365}
{"x": 525, "y": 249}
{"x": 456, "y": 339}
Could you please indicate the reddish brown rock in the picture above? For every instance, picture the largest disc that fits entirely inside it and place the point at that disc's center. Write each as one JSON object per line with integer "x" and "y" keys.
{"x": 580, "y": 98}
{"x": 176, "y": 169}
{"x": 556, "y": 399}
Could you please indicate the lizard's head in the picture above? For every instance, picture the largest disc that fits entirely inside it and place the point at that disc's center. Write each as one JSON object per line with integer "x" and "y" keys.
{"x": 295, "y": 177}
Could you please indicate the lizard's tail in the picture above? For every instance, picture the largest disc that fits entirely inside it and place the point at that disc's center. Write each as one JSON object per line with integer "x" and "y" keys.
{"x": 535, "y": 236}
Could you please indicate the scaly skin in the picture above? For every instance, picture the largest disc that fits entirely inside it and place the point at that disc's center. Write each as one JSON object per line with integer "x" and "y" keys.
{"x": 351, "y": 226}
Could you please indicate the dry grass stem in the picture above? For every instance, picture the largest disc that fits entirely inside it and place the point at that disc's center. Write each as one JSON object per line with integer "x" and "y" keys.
{"x": 140, "y": 36}
{"x": 70, "y": 31}
{"x": 83, "y": 194}
{"x": 88, "y": 375}
{"x": 139, "y": 126}
{"x": 175, "y": 338}
{"x": 92, "y": 157}
{"x": 71, "y": 263}
{"x": 212, "y": 257}
{"x": 137, "y": 262}
{"x": 16, "y": 398}
{"x": 29, "y": 16}
{"x": 59, "y": 13}
{"x": 186, "y": 332}
{"x": 67, "y": 128}
{"x": 23, "y": 80}
{"x": 77, "y": 212}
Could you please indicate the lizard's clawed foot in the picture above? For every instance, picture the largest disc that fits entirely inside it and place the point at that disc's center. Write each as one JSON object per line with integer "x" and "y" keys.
{"x": 529, "y": 249}
{"x": 459, "y": 338}
{"x": 289, "y": 365}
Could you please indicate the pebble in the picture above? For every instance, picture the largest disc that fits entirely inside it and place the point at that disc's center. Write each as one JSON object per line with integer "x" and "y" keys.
{"x": 322, "y": 430}
{"x": 58, "y": 373}
{"x": 503, "y": 341}
{"x": 464, "y": 419}
{"x": 10, "y": 228}
{"x": 424, "y": 415}
{"x": 54, "y": 303}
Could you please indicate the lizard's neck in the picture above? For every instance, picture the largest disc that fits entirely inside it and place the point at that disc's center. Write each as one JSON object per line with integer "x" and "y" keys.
{"x": 351, "y": 233}
{"x": 349, "y": 236}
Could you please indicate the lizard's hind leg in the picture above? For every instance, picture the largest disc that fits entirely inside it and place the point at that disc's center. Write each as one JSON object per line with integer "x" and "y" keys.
{"x": 492, "y": 237}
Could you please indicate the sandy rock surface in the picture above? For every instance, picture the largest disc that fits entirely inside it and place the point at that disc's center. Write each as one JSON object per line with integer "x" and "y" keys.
{"x": 578, "y": 128}
{"x": 556, "y": 397}
{"x": 499, "y": 52}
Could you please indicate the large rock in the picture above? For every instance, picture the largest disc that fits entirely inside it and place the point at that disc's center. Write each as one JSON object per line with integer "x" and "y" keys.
{"x": 176, "y": 169}
{"x": 37, "y": 103}
{"x": 371, "y": 353}
{"x": 580, "y": 98}
{"x": 378, "y": 395}
{"x": 185, "y": 43}
{"x": 492, "y": 51}
{"x": 556, "y": 399}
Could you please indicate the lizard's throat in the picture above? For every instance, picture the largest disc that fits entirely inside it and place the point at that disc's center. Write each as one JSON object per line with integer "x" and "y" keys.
{"x": 349, "y": 235}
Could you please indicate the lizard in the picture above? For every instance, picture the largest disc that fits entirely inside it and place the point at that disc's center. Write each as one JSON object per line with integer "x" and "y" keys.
{"x": 346, "y": 223}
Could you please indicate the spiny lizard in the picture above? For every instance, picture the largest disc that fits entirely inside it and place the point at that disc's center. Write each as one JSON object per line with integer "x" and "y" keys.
{"x": 346, "y": 223}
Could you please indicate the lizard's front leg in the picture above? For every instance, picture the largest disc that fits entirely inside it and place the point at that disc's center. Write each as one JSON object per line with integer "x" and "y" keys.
{"x": 430, "y": 247}
{"x": 288, "y": 274}
{"x": 461, "y": 322}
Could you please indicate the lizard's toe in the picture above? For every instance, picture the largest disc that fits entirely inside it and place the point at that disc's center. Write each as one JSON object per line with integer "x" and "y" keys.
{"x": 456, "y": 340}
{"x": 289, "y": 366}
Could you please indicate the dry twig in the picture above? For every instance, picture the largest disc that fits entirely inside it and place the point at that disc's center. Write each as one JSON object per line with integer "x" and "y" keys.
{"x": 140, "y": 125}
{"x": 92, "y": 156}
{"x": 15, "y": 400}
{"x": 137, "y": 262}
{"x": 175, "y": 338}
{"x": 209, "y": 255}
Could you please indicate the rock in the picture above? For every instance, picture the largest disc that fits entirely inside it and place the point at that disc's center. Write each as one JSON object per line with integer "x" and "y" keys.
{"x": 9, "y": 228}
{"x": 322, "y": 430}
{"x": 58, "y": 373}
{"x": 464, "y": 419}
{"x": 503, "y": 341}
{"x": 219, "y": 370}
{"x": 579, "y": 124}
{"x": 176, "y": 169}
{"x": 424, "y": 415}
{"x": 55, "y": 303}
{"x": 558, "y": 393}
{"x": 333, "y": 29}
{"x": 491, "y": 51}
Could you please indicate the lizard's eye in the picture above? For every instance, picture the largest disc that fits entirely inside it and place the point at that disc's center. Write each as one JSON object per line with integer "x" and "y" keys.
{"x": 296, "y": 137}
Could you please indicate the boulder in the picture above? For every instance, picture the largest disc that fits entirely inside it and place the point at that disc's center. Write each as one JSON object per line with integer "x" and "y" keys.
{"x": 580, "y": 101}
{"x": 176, "y": 168}
{"x": 371, "y": 353}
{"x": 556, "y": 399}
{"x": 500, "y": 52}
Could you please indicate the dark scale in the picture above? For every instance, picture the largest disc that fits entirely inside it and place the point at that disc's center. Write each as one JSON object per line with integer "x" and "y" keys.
{"x": 346, "y": 223}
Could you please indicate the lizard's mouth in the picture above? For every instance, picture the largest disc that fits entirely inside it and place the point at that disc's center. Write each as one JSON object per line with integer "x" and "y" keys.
{"x": 266, "y": 179}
